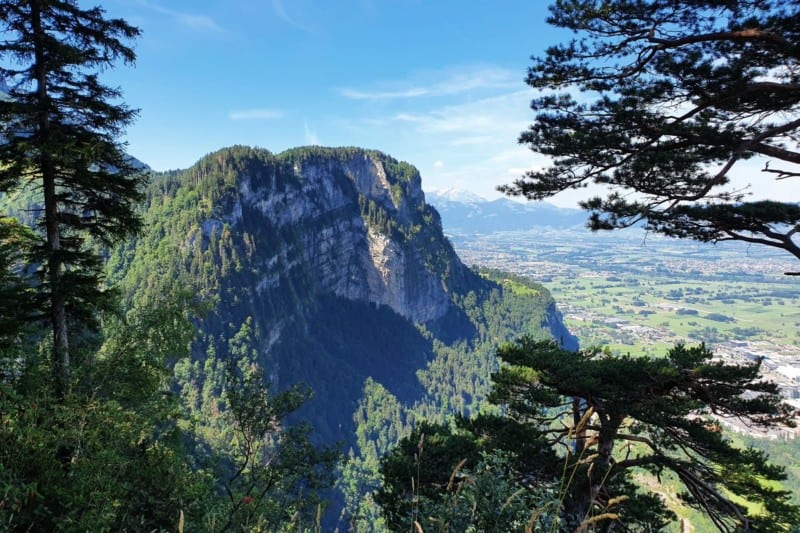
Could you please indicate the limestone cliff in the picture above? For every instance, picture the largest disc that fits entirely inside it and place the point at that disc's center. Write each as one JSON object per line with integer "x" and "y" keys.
{"x": 340, "y": 271}
{"x": 363, "y": 216}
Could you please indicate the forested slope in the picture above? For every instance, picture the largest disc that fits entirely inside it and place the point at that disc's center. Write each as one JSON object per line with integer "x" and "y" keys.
{"x": 331, "y": 269}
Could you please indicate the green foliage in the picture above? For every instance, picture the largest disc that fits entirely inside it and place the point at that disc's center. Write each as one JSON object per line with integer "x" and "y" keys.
{"x": 269, "y": 474}
{"x": 489, "y": 498}
{"x": 447, "y": 479}
{"x": 623, "y": 413}
{"x": 58, "y": 129}
{"x": 122, "y": 452}
{"x": 16, "y": 293}
{"x": 109, "y": 455}
{"x": 420, "y": 466}
{"x": 669, "y": 93}
{"x": 278, "y": 474}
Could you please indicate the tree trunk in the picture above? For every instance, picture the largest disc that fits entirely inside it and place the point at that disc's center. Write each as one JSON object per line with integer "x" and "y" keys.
{"x": 589, "y": 480}
{"x": 580, "y": 432}
{"x": 58, "y": 312}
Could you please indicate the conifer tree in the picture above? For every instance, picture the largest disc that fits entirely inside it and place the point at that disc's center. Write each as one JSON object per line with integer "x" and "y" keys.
{"x": 660, "y": 102}
{"x": 59, "y": 135}
{"x": 662, "y": 415}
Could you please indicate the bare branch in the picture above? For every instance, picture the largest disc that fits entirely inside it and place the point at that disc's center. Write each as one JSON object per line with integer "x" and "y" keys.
{"x": 749, "y": 34}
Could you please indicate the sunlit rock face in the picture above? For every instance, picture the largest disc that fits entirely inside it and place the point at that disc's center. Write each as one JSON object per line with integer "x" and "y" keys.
{"x": 361, "y": 230}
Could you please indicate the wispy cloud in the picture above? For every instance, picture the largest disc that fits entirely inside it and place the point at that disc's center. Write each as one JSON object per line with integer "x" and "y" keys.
{"x": 476, "y": 122}
{"x": 445, "y": 83}
{"x": 256, "y": 114}
{"x": 310, "y": 135}
{"x": 465, "y": 140}
{"x": 413, "y": 92}
{"x": 281, "y": 13}
{"x": 191, "y": 20}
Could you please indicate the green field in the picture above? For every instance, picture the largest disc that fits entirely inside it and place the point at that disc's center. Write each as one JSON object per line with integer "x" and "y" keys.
{"x": 642, "y": 296}
{"x": 708, "y": 311}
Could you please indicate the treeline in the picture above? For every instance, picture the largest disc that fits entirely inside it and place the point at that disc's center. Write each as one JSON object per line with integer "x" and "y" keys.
{"x": 94, "y": 435}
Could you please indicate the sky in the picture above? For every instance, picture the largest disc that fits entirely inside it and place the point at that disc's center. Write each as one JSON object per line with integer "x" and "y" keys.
{"x": 437, "y": 83}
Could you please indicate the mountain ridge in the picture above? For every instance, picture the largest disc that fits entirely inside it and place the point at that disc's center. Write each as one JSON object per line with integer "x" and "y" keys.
{"x": 299, "y": 240}
{"x": 472, "y": 214}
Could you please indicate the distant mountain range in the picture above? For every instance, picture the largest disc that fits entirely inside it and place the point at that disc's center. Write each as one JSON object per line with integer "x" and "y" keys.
{"x": 466, "y": 212}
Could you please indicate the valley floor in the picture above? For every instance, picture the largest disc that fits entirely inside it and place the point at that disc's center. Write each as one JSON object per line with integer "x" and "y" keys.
{"x": 639, "y": 294}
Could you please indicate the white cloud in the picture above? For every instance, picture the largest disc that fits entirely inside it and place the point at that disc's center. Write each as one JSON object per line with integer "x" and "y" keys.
{"x": 443, "y": 83}
{"x": 500, "y": 117}
{"x": 256, "y": 114}
{"x": 310, "y": 135}
{"x": 438, "y": 164}
{"x": 281, "y": 13}
{"x": 413, "y": 92}
{"x": 190, "y": 20}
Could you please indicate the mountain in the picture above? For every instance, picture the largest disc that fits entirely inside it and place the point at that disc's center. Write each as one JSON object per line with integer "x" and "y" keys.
{"x": 332, "y": 253}
{"x": 454, "y": 195}
{"x": 466, "y": 213}
{"x": 330, "y": 269}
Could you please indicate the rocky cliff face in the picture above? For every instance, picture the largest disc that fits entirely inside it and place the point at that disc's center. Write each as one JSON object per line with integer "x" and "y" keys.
{"x": 345, "y": 251}
{"x": 340, "y": 271}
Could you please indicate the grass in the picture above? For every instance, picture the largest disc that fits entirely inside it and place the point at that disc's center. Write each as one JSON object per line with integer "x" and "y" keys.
{"x": 519, "y": 289}
{"x": 757, "y": 311}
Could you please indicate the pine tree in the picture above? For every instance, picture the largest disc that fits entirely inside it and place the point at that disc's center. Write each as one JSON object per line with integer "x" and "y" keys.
{"x": 59, "y": 131}
{"x": 661, "y": 102}
{"x": 661, "y": 415}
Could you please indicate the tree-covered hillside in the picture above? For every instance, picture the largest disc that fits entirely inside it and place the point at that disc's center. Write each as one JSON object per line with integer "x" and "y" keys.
{"x": 339, "y": 272}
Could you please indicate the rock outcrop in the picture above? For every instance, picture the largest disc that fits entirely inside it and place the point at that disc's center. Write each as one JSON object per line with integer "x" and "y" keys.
{"x": 367, "y": 233}
{"x": 340, "y": 272}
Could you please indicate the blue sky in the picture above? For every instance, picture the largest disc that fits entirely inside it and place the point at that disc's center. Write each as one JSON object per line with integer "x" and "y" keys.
{"x": 437, "y": 83}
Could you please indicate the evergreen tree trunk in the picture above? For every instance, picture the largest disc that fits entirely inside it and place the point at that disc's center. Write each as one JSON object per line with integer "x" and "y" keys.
{"x": 58, "y": 313}
{"x": 58, "y": 127}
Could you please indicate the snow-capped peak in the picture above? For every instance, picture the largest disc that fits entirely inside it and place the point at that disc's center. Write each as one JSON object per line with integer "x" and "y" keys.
{"x": 457, "y": 195}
